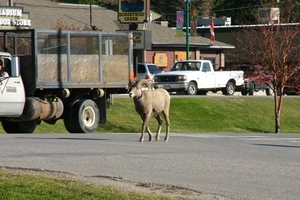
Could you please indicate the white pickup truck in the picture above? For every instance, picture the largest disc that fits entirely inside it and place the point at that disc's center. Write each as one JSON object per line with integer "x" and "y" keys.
{"x": 198, "y": 77}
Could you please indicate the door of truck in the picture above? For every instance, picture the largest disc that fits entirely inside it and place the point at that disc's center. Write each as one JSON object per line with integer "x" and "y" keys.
{"x": 12, "y": 92}
{"x": 12, "y": 96}
{"x": 206, "y": 77}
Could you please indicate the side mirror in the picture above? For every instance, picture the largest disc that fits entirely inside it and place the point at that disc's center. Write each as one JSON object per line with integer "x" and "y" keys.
{"x": 15, "y": 66}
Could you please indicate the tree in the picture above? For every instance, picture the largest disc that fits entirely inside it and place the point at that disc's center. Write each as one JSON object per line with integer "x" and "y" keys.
{"x": 62, "y": 25}
{"x": 275, "y": 47}
{"x": 168, "y": 8}
{"x": 239, "y": 11}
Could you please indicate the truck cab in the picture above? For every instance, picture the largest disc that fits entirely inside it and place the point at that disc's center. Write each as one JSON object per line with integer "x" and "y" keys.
{"x": 12, "y": 93}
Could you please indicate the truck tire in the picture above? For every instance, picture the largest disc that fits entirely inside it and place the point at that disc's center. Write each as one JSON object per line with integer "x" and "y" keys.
{"x": 251, "y": 89}
{"x": 269, "y": 91}
{"x": 244, "y": 92}
{"x": 19, "y": 127}
{"x": 85, "y": 116}
{"x": 202, "y": 92}
{"x": 68, "y": 117}
{"x": 230, "y": 89}
{"x": 192, "y": 89}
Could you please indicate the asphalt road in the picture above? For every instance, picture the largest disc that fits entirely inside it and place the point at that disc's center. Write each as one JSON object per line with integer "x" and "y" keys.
{"x": 260, "y": 166}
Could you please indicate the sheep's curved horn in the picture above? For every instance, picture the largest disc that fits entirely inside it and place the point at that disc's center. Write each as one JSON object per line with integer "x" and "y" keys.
{"x": 145, "y": 82}
{"x": 131, "y": 82}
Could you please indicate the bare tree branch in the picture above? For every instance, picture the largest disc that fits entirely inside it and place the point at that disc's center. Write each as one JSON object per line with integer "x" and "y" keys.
{"x": 276, "y": 48}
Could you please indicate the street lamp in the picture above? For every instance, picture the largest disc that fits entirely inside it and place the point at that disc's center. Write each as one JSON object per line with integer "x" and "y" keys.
{"x": 187, "y": 27}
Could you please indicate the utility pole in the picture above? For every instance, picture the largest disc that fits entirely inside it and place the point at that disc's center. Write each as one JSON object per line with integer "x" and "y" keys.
{"x": 91, "y": 14}
{"x": 187, "y": 27}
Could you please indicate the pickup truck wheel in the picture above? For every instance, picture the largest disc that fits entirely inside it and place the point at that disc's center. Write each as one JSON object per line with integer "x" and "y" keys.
{"x": 86, "y": 116}
{"x": 251, "y": 89}
{"x": 192, "y": 89}
{"x": 244, "y": 92}
{"x": 202, "y": 92}
{"x": 19, "y": 127}
{"x": 269, "y": 91}
{"x": 230, "y": 89}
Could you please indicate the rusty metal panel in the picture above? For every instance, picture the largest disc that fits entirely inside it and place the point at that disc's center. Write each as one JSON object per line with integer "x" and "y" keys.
{"x": 85, "y": 68}
{"x": 73, "y": 59}
{"x": 115, "y": 69}
{"x": 52, "y": 67}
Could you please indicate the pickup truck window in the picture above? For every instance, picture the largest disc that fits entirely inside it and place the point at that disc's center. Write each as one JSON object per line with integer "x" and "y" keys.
{"x": 186, "y": 66}
{"x": 206, "y": 67}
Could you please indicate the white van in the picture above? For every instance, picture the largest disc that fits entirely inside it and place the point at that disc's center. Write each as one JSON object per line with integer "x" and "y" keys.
{"x": 147, "y": 71}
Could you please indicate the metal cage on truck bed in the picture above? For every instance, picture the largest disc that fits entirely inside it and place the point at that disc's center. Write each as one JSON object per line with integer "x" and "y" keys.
{"x": 70, "y": 59}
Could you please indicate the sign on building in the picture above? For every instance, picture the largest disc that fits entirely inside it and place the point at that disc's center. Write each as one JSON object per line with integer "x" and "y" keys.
{"x": 132, "y": 11}
{"x": 14, "y": 17}
{"x": 141, "y": 39}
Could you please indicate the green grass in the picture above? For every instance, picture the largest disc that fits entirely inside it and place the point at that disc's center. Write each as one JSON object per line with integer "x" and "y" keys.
{"x": 201, "y": 115}
{"x": 31, "y": 187}
{"x": 210, "y": 115}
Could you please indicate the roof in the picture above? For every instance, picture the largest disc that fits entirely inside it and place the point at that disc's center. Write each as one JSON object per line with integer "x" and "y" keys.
{"x": 164, "y": 36}
{"x": 44, "y": 14}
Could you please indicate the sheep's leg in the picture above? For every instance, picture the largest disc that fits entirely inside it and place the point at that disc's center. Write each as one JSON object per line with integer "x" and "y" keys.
{"x": 149, "y": 133}
{"x": 159, "y": 120}
{"x": 145, "y": 119}
{"x": 166, "y": 116}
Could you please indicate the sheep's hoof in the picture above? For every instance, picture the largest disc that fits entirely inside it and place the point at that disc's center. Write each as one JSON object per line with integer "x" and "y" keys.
{"x": 166, "y": 139}
{"x": 141, "y": 139}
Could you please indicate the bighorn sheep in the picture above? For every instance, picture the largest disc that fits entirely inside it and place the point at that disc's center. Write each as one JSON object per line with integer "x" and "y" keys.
{"x": 150, "y": 103}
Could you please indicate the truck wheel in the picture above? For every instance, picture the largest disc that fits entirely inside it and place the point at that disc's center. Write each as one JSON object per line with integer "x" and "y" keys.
{"x": 68, "y": 117}
{"x": 85, "y": 116}
{"x": 269, "y": 91}
{"x": 202, "y": 92}
{"x": 192, "y": 89}
{"x": 19, "y": 127}
{"x": 244, "y": 92}
{"x": 230, "y": 89}
{"x": 251, "y": 89}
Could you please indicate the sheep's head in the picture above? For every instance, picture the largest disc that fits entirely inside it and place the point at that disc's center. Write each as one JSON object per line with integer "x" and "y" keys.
{"x": 136, "y": 88}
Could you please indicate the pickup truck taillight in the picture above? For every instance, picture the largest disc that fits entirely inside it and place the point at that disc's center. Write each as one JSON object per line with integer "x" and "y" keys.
{"x": 147, "y": 77}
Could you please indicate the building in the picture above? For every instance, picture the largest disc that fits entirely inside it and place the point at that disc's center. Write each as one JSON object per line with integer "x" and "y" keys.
{"x": 165, "y": 47}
